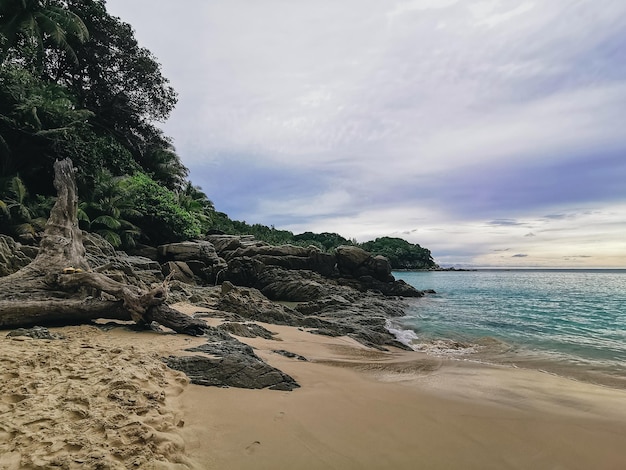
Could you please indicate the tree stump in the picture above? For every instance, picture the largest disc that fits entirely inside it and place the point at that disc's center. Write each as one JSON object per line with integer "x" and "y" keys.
{"x": 59, "y": 286}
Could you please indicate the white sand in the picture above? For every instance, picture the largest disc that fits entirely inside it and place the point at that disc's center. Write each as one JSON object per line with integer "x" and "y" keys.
{"x": 104, "y": 400}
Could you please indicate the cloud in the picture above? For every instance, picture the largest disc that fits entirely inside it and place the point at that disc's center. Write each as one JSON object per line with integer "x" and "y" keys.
{"x": 504, "y": 222}
{"x": 519, "y": 255}
{"x": 458, "y": 124}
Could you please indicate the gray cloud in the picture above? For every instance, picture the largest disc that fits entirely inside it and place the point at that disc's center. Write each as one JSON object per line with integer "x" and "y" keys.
{"x": 377, "y": 118}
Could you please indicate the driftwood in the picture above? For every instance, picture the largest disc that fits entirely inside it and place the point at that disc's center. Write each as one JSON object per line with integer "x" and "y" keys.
{"x": 59, "y": 287}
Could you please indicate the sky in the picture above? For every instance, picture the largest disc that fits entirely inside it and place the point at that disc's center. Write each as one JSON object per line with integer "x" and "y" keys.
{"x": 491, "y": 132}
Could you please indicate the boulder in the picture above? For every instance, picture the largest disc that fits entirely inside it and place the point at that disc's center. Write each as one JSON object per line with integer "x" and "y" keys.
{"x": 179, "y": 271}
{"x": 145, "y": 251}
{"x": 225, "y": 362}
{"x": 136, "y": 270}
{"x": 13, "y": 255}
{"x": 295, "y": 286}
{"x": 356, "y": 262}
{"x": 246, "y": 330}
{"x": 251, "y": 304}
{"x": 200, "y": 257}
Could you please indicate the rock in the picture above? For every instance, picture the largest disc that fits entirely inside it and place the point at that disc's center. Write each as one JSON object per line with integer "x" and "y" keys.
{"x": 200, "y": 256}
{"x": 250, "y": 304}
{"x": 289, "y": 285}
{"x": 233, "y": 248}
{"x": 356, "y": 262}
{"x": 350, "y": 258}
{"x": 269, "y": 250}
{"x": 179, "y": 271}
{"x": 135, "y": 270}
{"x": 36, "y": 332}
{"x": 290, "y": 355}
{"x": 141, "y": 263}
{"x": 145, "y": 251}
{"x": 226, "y": 243}
{"x": 226, "y": 362}
{"x": 246, "y": 330}
{"x": 14, "y": 255}
{"x": 243, "y": 271}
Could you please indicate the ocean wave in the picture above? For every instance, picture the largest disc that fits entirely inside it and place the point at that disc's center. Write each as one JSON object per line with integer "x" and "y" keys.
{"x": 406, "y": 337}
{"x": 435, "y": 347}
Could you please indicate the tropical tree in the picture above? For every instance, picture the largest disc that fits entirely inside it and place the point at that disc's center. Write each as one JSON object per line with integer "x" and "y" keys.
{"x": 39, "y": 22}
{"x": 161, "y": 218}
{"x": 106, "y": 210}
{"x": 36, "y": 118}
{"x": 22, "y": 217}
{"x": 192, "y": 199}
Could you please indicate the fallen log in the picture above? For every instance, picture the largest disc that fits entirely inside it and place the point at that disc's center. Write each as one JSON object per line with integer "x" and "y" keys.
{"x": 59, "y": 287}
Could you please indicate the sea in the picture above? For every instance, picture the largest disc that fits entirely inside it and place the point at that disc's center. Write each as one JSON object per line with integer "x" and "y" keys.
{"x": 566, "y": 322}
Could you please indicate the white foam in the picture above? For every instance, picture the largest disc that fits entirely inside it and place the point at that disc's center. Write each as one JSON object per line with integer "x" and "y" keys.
{"x": 406, "y": 337}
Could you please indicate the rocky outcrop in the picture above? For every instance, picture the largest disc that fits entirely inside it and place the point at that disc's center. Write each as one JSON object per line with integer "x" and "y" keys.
{"x": 199, "y": 256}
{"x": 135, "y": 270}
{"x": 246, "y": 330}
{"x": 349, "y": 292}
{"x": 14, "y": 255}
{"x": 225, "y": 362}
{"x": 344, "y": 311}
{"x": 292, "y": 257}
{"x": 278, "y": 271}
{"x": 251, "y": 304}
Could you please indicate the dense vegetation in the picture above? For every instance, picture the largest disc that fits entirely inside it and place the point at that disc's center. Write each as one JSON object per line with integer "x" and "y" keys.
{"x": 75, "y": 83}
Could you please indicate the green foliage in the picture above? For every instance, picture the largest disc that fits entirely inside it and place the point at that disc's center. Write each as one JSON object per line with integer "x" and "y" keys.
{"x": 75, "y": 83}
{"x": 106, "y": 210}
{"x": 21, "y": 215}
{"x": 40, "y": 23}
{"x": 35, "y": 118}
{"x": 326, "y": 241}
{"x": 401, "y": 254}
{"x": 161, "y": 218}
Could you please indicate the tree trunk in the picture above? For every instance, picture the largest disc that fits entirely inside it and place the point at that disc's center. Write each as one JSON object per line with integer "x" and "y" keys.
{"x": 58, "y": 287}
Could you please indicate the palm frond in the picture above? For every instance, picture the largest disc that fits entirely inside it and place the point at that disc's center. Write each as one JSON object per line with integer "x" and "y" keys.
{"x": 107, "y": 221}
{"x": 110, "y": 236}
{"x": 24, "y": 229}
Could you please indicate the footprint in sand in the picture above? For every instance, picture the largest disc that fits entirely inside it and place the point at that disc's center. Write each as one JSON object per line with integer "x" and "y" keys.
{"x": 253, "y": 447}
{"x": 279, "y": 416}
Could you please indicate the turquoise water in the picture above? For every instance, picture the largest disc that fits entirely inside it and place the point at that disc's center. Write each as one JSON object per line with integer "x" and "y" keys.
{"x": 570, "y": 322}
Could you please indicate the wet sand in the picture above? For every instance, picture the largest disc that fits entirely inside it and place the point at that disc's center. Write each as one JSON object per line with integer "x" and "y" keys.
{"x": 104, "y": 399}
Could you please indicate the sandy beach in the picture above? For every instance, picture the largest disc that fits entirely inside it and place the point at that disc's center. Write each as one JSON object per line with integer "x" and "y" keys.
{"x": 104, "y": 399}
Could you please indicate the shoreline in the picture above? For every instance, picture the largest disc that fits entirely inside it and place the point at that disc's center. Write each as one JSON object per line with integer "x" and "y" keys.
{"x": 106, "y": 398}
{"x": 494, "y": 352}
{"x": 362, "y": 408}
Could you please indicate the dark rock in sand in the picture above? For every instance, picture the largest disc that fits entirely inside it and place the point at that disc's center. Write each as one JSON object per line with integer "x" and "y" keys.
{"x": 290, "y": 355}
{"x": 226, "y": 362}
{"x": 36, "y": 332}
{"x": 246, "y": 330}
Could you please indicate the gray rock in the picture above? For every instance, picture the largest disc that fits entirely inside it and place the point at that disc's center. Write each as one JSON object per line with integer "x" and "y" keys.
{"x": 225, "y": 362}
{"x": 250, "y": 304}
{"x": 246, "y": 330}
{"x": 200, "y": 256}
{"x": 179, "y": 271}
{"x": 290, "y": 355}
{"x": 14, "y": 256}
{"x": 36, "y": 332}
